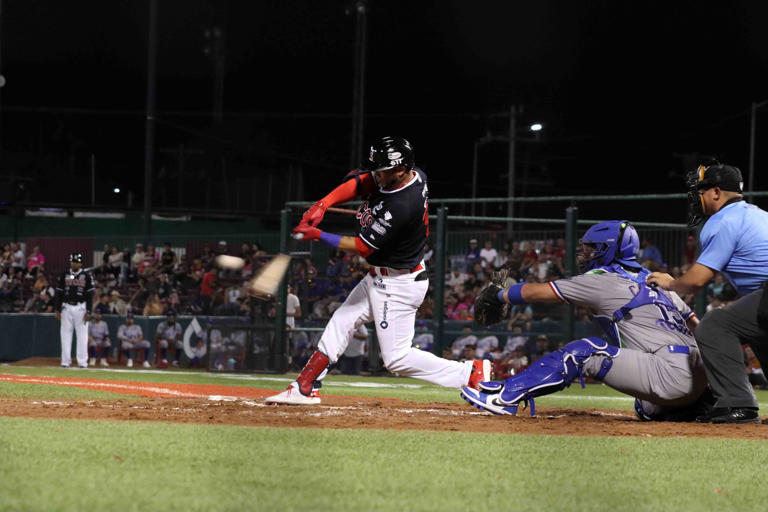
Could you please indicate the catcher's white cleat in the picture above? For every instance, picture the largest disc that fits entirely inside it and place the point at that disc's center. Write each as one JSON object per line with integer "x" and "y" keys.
{"x": 292, "y": 396}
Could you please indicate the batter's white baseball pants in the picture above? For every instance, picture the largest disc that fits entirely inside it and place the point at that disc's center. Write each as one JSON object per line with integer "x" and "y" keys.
{"x": 72, "y": 319}
{"x": 391, "y": 302}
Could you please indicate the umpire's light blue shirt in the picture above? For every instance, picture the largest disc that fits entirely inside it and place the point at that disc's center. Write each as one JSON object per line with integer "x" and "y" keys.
{"x": 734, "y": 241}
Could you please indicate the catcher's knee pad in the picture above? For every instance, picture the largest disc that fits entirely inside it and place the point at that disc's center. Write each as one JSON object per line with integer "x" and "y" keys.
{"x": 556, "y": 371}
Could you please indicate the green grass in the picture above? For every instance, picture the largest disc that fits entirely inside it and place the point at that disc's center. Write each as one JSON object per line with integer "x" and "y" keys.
{"x": 51, "y": 464}
{"x": 88, "y": 465}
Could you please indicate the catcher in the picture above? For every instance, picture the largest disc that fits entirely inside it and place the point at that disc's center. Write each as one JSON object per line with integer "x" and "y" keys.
{"x": 652, "y": 354}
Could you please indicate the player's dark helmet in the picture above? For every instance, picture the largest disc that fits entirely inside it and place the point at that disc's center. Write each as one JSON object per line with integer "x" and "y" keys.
{"x": 714, "y": 174}
{"x": 388, "y": 153}
{"x": 76, "y": 257}
{"x": 608, "y": 242}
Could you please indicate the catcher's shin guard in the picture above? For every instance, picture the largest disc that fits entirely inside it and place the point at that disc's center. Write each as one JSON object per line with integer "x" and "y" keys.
{"x": 313, "y": 371}
{"x": 554, "y": 371}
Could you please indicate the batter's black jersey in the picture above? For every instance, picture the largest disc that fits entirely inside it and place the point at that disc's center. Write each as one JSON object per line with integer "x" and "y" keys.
{"x": 74, "y": 288}
{"x": 395, "y": 223}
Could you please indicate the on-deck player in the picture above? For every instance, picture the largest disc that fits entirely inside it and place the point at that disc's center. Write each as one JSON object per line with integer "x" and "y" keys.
{"x": 74, "y": 301}
{"x": 392, "y": 226}
{"x": 654, "y": 356}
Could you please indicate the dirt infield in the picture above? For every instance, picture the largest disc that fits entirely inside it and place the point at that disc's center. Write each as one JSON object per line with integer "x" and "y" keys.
{"x": 229, "y": 405}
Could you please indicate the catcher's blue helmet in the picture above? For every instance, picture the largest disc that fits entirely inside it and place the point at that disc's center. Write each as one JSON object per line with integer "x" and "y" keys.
{"x": 608, "y": 242}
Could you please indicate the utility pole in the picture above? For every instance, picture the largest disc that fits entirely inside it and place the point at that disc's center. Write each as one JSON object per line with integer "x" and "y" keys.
{"x": 360, "y": 10}
{"x": 149, "y": 141}
{"x": 215, "y": 49}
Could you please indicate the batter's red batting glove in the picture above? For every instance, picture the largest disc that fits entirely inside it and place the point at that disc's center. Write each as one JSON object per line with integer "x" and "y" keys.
{"x": 307, "y": 232}
{"x": 314, "y": 215}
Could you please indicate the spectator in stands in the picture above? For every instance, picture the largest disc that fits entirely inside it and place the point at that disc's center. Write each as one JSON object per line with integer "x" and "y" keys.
{"x": 154, "y": 306}
{"x": 423, "y": 340}
{"x": 456, "y": 277}
{"x": 140, "y": 296}
{"x": 6, "y": 258}
{"x": 516, "y": 339}
{"x": 541, "y": 349}
{"x": 35, "y": 261}
{"x": 117, "y": 266}
{"x": 472, "y": 255}
{"x": 429, "y": 253}
{"x": 519, "y": 313}
{"x": 117, "y": 306}
{"x": 102, "y": 305}
{"x": 486, "y": 346}
{"x": 514, "y": 364}
{"x": 689, "y": 250}
{"x": 39, "y": 303}
{"x": 467, "y": 338}
{"x": 351, "y": 362}
{"x": 502, "y": 257}
{"x": 515, "y": 256}
{"x": 488, "y": 254}
{"x": 18, "y": 260}
{"x": 151, "y": 264}
{"x": 9, "y": 293}
{"x": 207, "y": 255}
{"x": 649, "y": 252}
{"x": 292, "y": 307}
{"x": 137, "y": 260}
{"x": 167, "y": 259}
{"x": 42, "y": 284}
{"x": 715, "y": 287}
{"x": 468, "y": 354}
{"x": 427, "y": 308}
{"x": 209, "y": 287}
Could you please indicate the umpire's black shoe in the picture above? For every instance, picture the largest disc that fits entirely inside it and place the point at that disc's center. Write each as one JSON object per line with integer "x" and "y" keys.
{"x": 730, "y": 415}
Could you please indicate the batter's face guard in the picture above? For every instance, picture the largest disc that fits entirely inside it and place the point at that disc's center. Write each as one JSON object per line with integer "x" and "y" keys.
{"x": 608, "y": 242}
{"x": 705, "y": 177}
{"x": 553, "y": 372}
{"x": 389, "y": 153}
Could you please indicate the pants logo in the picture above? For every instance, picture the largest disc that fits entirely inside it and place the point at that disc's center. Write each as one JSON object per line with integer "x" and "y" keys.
{"x": 383, "y": 324}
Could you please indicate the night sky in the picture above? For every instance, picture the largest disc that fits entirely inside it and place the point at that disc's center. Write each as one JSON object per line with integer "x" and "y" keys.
{"x": 627, "y": 91}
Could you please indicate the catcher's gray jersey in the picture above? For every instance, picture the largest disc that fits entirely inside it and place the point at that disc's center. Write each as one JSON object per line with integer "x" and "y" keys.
{"x": 647, "y": 328}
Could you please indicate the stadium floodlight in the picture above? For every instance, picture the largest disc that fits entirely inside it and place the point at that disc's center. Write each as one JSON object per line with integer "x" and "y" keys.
{"x": 536, "y": 127}
{"x": 116, "y": 190}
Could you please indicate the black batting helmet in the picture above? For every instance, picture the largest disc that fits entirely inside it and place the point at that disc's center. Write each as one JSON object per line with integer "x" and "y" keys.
{"x": 388, "y": 153}
{"x": 76, "y": 257}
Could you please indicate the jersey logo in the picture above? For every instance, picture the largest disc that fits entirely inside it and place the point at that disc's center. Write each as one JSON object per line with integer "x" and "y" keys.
{"x": 378, "y": 228}
{"x": 387, "y": 215}
{"x": 364, "y": 215}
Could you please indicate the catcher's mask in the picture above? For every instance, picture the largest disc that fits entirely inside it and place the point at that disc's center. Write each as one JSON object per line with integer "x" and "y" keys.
{"x": 705, "y": 177}
{"x": 608, "y": 242}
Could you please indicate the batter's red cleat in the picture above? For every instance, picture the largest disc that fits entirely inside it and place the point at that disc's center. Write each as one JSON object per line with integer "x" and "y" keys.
{"x": 481, "y": 372}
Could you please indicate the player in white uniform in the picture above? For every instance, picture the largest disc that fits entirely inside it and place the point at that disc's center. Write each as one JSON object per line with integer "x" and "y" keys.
{"x": 131, "y": 337}
{"x": 74, "y": 300}
{"x": 392, "y": 228}
{"x": 98, "y": 339}
{"x": 652, "y": 354}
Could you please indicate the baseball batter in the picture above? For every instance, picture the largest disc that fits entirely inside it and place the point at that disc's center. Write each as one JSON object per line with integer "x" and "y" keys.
{"x": 131, "y": 337}
{"x": 98, "y": 340}
{"x": 169, "y": 333}
{"x": 74, "y": 301}
{"x": 652, "y": 355}
{"x": 392, "y": 225}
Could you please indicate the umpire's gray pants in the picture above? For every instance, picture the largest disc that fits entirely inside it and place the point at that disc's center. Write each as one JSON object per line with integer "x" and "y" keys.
{"x": 663, "y": 380}
{"x": 720, "y": 336}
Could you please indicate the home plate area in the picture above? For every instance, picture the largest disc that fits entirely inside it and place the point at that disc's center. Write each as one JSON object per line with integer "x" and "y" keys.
{"x": 232, "y": 405}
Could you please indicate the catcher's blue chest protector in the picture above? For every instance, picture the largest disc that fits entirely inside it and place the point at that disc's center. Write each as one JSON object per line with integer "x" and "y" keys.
{"x": 645, "y": 296}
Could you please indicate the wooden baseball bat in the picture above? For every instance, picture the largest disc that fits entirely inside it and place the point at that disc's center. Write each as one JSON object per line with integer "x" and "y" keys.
{"x": 267, "y": 281}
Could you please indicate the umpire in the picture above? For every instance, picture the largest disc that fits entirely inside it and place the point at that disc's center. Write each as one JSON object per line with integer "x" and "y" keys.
{"x": 734, "y": 241}
{"x": 74, "y": 300}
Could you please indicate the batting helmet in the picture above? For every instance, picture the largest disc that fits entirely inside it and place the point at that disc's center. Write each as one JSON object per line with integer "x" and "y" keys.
{"x": 76, "y": 257}
{"x": 608, "y": 242}
{"x": 388, "y": 153}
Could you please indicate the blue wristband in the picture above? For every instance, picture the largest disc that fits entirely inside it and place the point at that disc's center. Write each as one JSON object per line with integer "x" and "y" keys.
{"x": 330, "y": 239}
{"x": 513, "y": 294}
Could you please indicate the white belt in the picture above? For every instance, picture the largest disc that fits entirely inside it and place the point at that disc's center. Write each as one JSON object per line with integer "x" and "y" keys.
{"x": 386, "y": 271}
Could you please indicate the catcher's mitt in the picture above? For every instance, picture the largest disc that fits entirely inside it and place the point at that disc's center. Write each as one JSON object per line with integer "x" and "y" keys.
{"x": 488, "y": 309}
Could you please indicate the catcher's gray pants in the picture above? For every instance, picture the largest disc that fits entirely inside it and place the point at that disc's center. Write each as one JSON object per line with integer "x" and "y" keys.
{"x": 720, "y": 336}
{"x": 661, "y": 379}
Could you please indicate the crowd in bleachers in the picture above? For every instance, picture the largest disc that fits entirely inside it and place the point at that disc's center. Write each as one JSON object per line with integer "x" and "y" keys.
{"x": 147, "y": 280}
